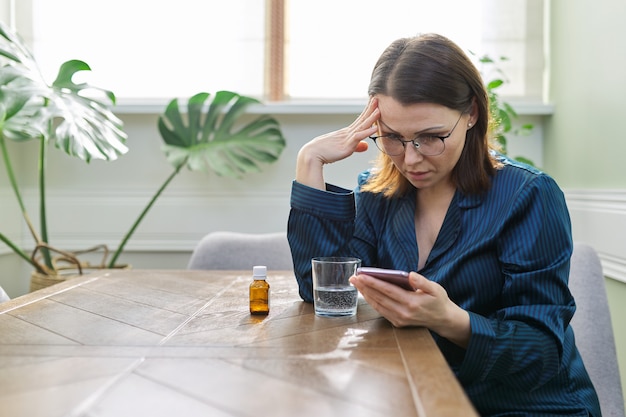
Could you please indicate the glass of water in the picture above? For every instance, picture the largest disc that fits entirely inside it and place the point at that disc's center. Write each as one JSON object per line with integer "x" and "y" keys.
{"x": 333, "y": 295}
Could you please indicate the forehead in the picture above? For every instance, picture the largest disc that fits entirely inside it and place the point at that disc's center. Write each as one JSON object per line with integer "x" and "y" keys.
{"x": 413, "y": 117}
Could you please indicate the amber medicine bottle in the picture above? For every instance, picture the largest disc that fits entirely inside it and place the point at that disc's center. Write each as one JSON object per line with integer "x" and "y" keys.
{"x": 259, "y": 291}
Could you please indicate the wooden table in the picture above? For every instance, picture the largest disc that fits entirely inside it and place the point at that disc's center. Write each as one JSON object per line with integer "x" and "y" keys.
{"x": 182, "y": 343}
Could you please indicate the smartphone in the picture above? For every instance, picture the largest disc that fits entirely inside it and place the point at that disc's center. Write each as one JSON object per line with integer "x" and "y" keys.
{"x": 400, "y": 278}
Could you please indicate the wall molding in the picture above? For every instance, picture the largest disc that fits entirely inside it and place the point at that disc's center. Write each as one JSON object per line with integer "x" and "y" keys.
{"x": 178, "y": 220}
{"x": 599, "y": 219}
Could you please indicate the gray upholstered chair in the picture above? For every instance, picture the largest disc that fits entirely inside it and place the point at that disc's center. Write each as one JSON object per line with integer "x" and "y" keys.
{"x": 232, "y": 250}
{"x": 593, "y": 330}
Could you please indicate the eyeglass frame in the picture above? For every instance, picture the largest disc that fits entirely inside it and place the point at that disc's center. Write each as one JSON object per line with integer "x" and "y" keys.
{"x": 416, "y": 144}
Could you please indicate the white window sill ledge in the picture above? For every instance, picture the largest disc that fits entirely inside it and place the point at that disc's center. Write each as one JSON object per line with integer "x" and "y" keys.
{"x": 522, "y": 106}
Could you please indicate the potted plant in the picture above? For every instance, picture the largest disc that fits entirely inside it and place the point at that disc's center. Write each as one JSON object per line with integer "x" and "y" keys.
{"x": 502, "y": 113}
{"x": 207, "y": 136}
{"x": 211, "y": 138}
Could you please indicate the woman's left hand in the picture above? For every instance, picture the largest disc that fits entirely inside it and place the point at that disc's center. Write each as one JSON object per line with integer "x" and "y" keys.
{"x": 427, "y": 306}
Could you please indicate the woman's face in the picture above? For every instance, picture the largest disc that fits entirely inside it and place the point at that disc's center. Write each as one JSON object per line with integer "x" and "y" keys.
{"x": 421, "y": 119}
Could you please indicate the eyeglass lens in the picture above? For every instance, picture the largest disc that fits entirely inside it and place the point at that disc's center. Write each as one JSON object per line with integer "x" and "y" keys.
{"x": 427, "y": 145}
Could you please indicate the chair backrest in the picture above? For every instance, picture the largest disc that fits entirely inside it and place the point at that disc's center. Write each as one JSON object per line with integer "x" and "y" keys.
{"x": 233, "y": 250}
{"x": 593, "y": 329}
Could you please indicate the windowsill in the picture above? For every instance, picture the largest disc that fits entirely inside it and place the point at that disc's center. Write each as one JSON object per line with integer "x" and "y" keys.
{"x": 523, "y": 106}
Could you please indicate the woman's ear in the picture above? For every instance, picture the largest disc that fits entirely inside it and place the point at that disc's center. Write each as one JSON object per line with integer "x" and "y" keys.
{"x": 473, "y": 113}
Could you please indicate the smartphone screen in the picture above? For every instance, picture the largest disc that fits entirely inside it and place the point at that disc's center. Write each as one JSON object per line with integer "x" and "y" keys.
{"x": 397, "y": 277}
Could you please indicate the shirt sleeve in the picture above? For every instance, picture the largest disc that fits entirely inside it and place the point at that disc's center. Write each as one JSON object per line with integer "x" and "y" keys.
{"x": 321, "y": 223}
{"x": 522, "y": 343}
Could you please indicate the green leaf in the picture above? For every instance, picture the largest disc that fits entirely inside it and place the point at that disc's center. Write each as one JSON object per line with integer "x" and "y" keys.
{"x": 76, "y": 117}
{"x": 509, "y": 109}
{"x": 14, "y": 49}
{"x": 88, "y": 128}
{"x": 527, "y": 127}
{"x": 15, "y": 94}
{"x": 23, "y": 92}
{"x": 174, "y": 118}
{"x": 215, "y": 114}
{"x": 492, "y": 85}
{"x": 504, "y": 120}
{"x": 213, "y": 137}
{"x": 485, "y": 59}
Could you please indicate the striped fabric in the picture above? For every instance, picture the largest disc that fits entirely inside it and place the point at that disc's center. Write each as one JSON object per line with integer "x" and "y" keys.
{"x": 503, "y": 256}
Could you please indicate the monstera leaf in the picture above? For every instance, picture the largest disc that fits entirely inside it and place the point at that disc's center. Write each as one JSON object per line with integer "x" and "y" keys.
{"x": 87, "y": 128}
{"x": 212, "y": 137}
{"x": 75, "y": 116}
{"x": 23, "y": 91}
{"x": 20, "y": 118}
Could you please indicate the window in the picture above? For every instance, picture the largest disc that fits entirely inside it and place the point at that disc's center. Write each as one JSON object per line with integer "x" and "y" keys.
{"x": 155, "y": 48}
{"x": 162, "y": 48}
{"x": 332, "y": 52}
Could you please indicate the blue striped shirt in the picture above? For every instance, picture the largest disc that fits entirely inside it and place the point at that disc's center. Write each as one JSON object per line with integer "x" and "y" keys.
{"x": 503, "y": 256}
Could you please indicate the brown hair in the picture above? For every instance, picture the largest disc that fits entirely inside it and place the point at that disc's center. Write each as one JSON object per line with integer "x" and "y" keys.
{"x": 432, "y": 69}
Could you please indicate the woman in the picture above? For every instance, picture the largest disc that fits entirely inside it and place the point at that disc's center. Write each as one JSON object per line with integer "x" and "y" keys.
{"x": 488, "y": 239}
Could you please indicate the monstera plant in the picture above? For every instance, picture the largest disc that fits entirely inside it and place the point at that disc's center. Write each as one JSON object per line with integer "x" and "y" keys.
{"x": 76, "y": 118}
{"x": 211, "y": 138}
{"x": 206, "y": 136}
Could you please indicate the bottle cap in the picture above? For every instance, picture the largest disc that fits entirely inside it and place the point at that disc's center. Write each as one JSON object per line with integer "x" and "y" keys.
{"x": 259, "y": 271}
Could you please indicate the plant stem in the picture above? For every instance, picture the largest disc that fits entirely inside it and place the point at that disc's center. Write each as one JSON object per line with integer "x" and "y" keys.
{"x": 42, "y": 203}
{"x": 13, "y": 181}
{"x": 17, "y": 250}
{"x": 20, "y": 201}
{"x": 120, "y": 249}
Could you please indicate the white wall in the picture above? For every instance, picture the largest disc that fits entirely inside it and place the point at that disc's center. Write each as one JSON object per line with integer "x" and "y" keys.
{"x": 586, "y": 146}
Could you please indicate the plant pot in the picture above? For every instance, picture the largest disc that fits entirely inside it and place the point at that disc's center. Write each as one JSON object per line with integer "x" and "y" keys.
{"x": 39, "y": 280}
{"x": 74, "y": 268}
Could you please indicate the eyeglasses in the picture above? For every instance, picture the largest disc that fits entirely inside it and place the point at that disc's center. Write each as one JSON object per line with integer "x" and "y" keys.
{"x": 427, "y": 145}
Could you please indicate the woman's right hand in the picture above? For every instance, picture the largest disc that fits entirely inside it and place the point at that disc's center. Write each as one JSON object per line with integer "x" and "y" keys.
{"x": 335, "y": 146}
